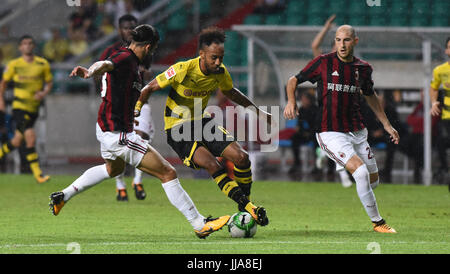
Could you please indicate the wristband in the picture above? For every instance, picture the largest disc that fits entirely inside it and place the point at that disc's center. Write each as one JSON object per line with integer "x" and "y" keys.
{"x": 138, "y": 105}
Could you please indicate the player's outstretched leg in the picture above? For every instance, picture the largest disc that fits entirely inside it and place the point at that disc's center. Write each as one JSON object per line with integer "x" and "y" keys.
{"x": 243, "y": 177}
{"x": 154, "y": 164}
{"x": 90, "y": 177}
{"x": 234, "y": 192}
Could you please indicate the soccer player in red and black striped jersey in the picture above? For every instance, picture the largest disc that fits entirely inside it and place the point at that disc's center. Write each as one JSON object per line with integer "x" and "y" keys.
{"x": 127, "y": 23}
{"x": 119, "y": 143}
{"x": 341, "y": 79}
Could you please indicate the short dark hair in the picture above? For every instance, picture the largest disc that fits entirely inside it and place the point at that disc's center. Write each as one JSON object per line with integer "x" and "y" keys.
{"x": 446, "y": 42}
{"x": 211, "y": 35}
{"x": 127, "y": 18}
{"x": 145, "y": 34}
{"x": 24, "y": 37}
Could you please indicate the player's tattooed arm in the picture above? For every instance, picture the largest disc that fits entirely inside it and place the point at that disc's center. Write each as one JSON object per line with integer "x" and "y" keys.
{"x": 97, "y": 69}
{"x": 239, "y": 98}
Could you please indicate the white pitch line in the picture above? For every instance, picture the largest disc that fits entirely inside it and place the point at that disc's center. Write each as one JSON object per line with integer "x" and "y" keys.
{"x": 210, "y": 243}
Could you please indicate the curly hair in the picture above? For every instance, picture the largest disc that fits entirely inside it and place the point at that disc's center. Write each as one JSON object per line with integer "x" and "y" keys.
{"x": 211, "y": 35}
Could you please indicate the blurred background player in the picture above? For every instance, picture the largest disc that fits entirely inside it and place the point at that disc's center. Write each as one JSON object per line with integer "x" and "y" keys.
{"x": 441, "y": 75}
{"x": 119, "y": 143}
{"x": 144, "y": 126}
{"x": 340, "y": 131}
{"x": 32, "y": 82}
{"x": 193, "y": 80}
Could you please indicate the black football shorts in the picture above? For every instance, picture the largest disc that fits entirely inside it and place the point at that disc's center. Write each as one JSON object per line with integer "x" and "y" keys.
{"x": 24, "y": 120}
{"x": 186, "y": 147}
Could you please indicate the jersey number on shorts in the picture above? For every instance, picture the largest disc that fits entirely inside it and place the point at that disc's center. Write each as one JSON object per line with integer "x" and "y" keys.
{"x": 370, "y": 154}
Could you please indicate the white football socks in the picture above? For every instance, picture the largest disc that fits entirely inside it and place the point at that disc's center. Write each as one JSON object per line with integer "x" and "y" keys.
{"x": 120, "y": 182}
{"x": 137, "y": 176}
{"x": 90, "y": 177}
{"x": 181, "y": 200}
{"x": 365, "y": 193}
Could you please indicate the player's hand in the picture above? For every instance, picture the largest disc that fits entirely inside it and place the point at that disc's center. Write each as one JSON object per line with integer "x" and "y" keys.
{"x": 395, "y": 137}
{"x": 329, "y": 22}
{"x": 436, "y": 108}
{"x": 39, "y": 95}
{"x": 291, "y": 110}
{"x": 80, "y": 72}
{"x": 137, "y": 108}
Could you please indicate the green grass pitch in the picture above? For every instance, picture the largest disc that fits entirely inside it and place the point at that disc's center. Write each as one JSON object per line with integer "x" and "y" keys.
{"x": 304, "y": 218}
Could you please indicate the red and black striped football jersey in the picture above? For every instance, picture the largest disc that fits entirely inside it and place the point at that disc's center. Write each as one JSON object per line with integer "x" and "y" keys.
{"x": 339, "y": 87}
{"x": 111, "y": 50}
{"x": 121, "y": 89}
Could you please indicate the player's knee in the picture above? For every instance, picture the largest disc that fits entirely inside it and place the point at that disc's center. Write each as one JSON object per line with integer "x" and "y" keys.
{"x": 168, "y": 173}
{"x": 242, "y": 159}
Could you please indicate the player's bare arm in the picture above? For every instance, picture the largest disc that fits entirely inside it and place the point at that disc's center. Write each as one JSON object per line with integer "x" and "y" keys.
{"x": 239, "y": 98}
{"x": 435, "y": 104}
{"x": 315, "y": 45}
{"x": 291, "y": 109}
{"x": 146, "y": 92}
{"x": 97, "y": 69}
{"x": 375, "y": 105}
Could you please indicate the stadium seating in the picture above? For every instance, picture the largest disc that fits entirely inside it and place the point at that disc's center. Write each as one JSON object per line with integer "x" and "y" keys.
{"x": 254, "y": 19}
{"x": 400, "y": 6}
{"x": 233, "y": 47}
{"x": 391, "y": 13}
{"x": 398, "y": 19}
{"x": 178, "y": 20}
{"x": 275, "y": 19}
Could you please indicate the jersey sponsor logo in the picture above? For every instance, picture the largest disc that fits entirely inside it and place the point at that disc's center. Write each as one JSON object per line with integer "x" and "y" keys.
{"x": 343, "y": 88}
{"x": 189, "y": 93}
{"x": 335, "y": 73}
{"x": 170, "y": 73}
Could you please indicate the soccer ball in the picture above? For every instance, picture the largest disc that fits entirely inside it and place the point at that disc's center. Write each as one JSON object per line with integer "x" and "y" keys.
{"x": 242, "y": 225}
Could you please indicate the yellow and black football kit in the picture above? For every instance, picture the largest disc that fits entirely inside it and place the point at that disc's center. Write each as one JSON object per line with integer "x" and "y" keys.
{"x": 188, "y": 97}
{"x": 28, "y": 78}
{"x": 185, "y": 105}
{"x": 441, "y": 76}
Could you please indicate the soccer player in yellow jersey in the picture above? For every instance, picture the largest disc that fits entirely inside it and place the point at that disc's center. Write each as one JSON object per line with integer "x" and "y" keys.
{"x": 192, "y": 83}
{"x": 441, "y": 75}
{"x": 32, "y": 82}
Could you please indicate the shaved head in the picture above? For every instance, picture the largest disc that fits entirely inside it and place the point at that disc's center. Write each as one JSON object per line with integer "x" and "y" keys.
{"x": 347, "y": 29}
{"x": 345, "y": 40}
